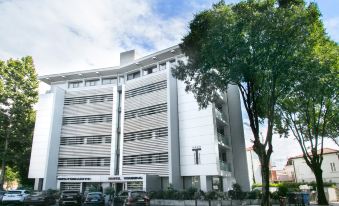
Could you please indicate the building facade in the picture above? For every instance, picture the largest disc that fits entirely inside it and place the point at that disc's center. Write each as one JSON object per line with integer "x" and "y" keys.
{"x": 299, "y": 171}
{"x": 134, "y": 127}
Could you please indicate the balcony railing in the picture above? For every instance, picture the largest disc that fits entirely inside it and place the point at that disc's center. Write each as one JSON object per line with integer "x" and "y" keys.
{"x": 219, "y": 114}
{"x": 225, "y": 166}
{"x": 222, "y": 139}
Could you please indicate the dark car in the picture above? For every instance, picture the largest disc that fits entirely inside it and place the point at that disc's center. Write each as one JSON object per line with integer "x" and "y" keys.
{"x": 132, "y": 198}
{"x": 2, "y": 192}
{"x": 95, "y": 198}
{"x": 39, "y": 198}
{"x": 70, "y": 197}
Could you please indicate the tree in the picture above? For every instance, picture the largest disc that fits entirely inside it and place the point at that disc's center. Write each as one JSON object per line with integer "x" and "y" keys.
{"x": 18, "y": 87}
{"x": 311, "y": 109}
{"x": 255, "y": 45}
{"x": 11, "y": 177}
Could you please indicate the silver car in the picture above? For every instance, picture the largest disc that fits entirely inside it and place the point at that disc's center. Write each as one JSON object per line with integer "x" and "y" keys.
{"x": 14, "y": 197}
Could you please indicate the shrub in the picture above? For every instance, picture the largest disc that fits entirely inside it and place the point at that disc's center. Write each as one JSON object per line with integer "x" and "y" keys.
{"x": 254, "y": 194}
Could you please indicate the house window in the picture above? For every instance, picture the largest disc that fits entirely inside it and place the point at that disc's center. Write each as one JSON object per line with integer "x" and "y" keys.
{"x": 93, "y": 82}
{"x": 333, "y": 169}
{"x": 74, "y": 84}
{"x": 133, "y": 75}
{"x": 109, "y": 81}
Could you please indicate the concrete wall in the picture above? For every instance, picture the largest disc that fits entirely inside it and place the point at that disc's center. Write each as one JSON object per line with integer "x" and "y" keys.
{"x": 45, "y": 148}
{"x": 173, "y": 132}
{"x": 304, "y": 173}
{"x": 196, "y": 129}
{"x": 237, "y": 138}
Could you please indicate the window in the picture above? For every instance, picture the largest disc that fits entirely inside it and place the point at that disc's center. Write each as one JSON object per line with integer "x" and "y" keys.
{"x": 87, "y": 119}
{"x": 133, "y": 75}
{"x": 94, "y": 140}
{"x": 172, "y": 63}
{"x": 93, "y": 82}
{"x": 195, "y": 181}
{"x": 333, "y": 169}
{"x": 111, "y": 80}
{"x": 218, "y": 106}
{"x": 146, "y": 134}
{"x": 107, "y": 161}
{"x": 146, "y": 159}
{"x": 162, "y": 66}
{"x": 75, "y": 84}
{"x": 150, "y": 70}
{"x": 121, "y": 79}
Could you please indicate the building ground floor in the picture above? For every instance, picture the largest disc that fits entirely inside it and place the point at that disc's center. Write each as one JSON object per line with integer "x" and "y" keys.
{"x": 137, "y": 182}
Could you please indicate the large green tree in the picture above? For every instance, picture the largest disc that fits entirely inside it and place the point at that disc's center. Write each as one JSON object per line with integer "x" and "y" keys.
{"x": 256, "y": 45}
{"x": 311, "y": 109}
{"x": 19, "y": 92}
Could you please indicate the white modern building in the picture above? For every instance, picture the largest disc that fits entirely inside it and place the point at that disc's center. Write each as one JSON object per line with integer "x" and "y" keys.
{"x": 133, "y": 126}
{"x": 298, "y": 170}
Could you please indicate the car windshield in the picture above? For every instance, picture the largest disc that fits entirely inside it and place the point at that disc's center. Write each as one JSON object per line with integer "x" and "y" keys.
{"x": 137, "y": 193}
{"x": 95, "y": 195}
{"x": 14, "y": 192}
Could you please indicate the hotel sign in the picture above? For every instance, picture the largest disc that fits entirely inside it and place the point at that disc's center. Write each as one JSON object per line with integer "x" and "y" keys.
{"x": 126, "y": 178}
{"x": 74, "y": 178}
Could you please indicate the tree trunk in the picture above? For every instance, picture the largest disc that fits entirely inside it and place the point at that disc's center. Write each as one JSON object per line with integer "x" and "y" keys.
{"x": 3, "y": 166}
{"x": 265, "y": 174}
{"x": 318, "y": 173}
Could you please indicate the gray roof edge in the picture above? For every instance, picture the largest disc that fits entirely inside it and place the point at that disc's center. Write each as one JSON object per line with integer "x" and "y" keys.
{"x": 43, "y": 77}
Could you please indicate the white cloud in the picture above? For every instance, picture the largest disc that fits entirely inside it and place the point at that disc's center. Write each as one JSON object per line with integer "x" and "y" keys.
{"x": 64, "y": 35}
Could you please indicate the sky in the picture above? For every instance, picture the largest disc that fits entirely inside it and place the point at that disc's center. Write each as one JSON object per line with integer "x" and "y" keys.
{"x": 72, "y": 35}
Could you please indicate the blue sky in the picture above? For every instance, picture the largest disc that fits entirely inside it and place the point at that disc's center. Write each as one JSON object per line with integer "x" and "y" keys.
{"x": 70, "y": 35}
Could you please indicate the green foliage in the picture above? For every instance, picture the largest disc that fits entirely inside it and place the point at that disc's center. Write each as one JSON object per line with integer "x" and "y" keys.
{"x": 189, "y": 194}
{"x": 11, "y": 176}
{"x": 257, "y": 46}
{"x": 109, "y": 191}
{"x": 18, "y": 94}
{"x": 254, "y": 194}
{"x": 236, "y": 193}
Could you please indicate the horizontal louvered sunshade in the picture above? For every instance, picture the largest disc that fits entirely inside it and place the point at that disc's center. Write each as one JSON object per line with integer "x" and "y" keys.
{"x": 145, "y": 143}
{"x": 88, "y": 99}
{"x": 87, "y": 119}
{"x": 85, "y": 142}
{"x": 146, "y": 89}
{"x": 146, "y": 111}
{"x": 146, "y": 134}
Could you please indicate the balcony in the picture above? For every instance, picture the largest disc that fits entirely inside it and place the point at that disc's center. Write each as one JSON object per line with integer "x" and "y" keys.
{"x": 222, "y": 139}
{"x": 225, "y": 166}
{"x": 219, "y": 115}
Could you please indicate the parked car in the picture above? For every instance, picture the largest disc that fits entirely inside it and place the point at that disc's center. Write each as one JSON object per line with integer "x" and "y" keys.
{"x": 132, "y": 198}
{"x": 94, "y": 198}
{"x": 70, "y": 197}
{"x": 2, "y": 192}
{"x": 14, "y": 197}
{"x": 39, "y": 198}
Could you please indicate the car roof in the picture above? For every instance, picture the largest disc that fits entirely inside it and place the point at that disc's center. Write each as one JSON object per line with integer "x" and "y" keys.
{"x": 92, "y": 193}
{"x": 16, "y": 190}
{"x": 70, "y": 191}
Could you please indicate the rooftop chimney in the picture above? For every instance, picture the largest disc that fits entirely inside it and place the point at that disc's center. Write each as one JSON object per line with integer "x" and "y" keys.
{"x": 127, "y": 57}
